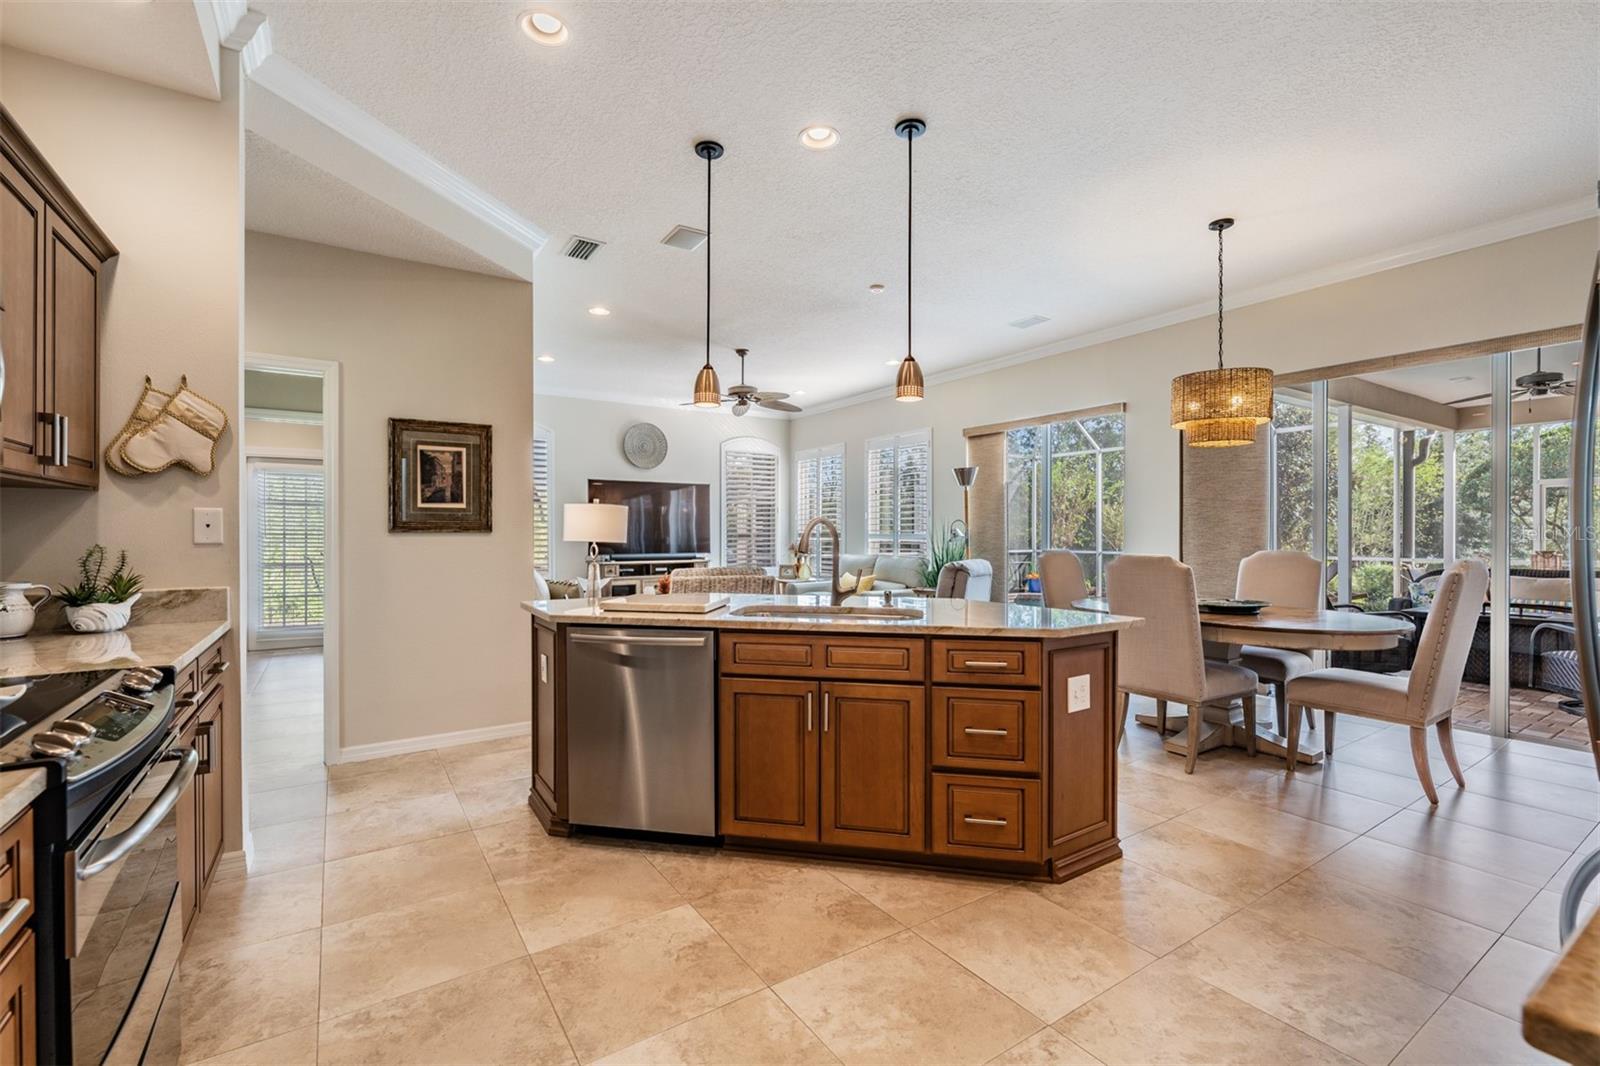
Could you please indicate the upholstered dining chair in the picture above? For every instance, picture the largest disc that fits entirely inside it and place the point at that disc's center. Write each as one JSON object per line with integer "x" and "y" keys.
{"x": 1427, "y": 697}
{"x": 1163, "y": 658}
{"x": 1061, "y": 577}
{"x": 965, "y": 579}
{"x": 1283, "y": 579}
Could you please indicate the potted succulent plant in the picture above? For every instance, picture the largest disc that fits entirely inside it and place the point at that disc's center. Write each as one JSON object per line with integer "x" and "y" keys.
{"x": 100, "y": 602}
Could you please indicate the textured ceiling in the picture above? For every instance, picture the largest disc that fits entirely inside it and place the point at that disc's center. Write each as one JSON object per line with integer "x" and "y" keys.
{"x": 161, "y": 43}
{"x": 288, "y": 196}
{"x": 1074, "y": 155}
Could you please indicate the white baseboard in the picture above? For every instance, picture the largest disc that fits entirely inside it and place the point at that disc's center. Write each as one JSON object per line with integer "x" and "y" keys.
{"x": 363, "y": 752}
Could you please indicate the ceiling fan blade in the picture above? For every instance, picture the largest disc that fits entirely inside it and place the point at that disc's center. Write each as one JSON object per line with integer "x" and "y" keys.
{"x": 778, "y": 405}
{"x": 1469, "y": 399}
{"x": 763, "y": 397}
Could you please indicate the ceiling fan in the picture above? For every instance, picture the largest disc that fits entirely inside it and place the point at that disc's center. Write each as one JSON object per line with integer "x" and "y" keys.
{"x": 743, "y": 397}
{"x": 1534, "y": 386}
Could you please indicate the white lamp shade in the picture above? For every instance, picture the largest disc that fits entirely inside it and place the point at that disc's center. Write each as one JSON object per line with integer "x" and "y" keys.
{"x": 600, "y": 523}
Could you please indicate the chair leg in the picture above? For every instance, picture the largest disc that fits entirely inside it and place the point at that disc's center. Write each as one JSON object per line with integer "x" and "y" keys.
{"x": 1291, "y": 747}
{"x": 1249, "y": 701}
{"x": 1122, "y": 714}
{"x": 1161, "y": 717}
{"x": 1328, "y": 718}
{"x": 1447, "y": 743}
{"x": 1196, "y": 713}
{"x": 1419, "y": 755}
{"x": 1280, "y": 699}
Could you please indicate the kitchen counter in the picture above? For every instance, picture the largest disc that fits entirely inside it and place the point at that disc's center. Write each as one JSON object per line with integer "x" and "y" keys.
{"x": 18, "y": 790}
{"x": 1562, "y": 1017}
{"x": 952, "y": 618}
{"x": 170, "y": 628}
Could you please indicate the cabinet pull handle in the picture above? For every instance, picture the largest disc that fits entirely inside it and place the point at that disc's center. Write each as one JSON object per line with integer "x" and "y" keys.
{"x": 808, "y": 712}
{"x": 985, "y": 664}
{"x": 825, "y": 701}
{"x": 972, "y": 819}
{"x": 219, "y": 668}
{"x": 204, "y": 730}
{"x": 64, "y": 427}
{"x": 15, "y": 914}
{"x": 974, "y": 731}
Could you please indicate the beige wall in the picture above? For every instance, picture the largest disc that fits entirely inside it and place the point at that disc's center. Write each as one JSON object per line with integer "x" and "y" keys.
{"x": 1529, "y": 283}
{"x": 588, "y": 444}
{"x": 433, "y": 639}
{"x": 261, "y": 435}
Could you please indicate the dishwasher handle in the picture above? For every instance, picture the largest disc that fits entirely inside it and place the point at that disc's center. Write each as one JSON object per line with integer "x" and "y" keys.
{"x": 648, "y": 642}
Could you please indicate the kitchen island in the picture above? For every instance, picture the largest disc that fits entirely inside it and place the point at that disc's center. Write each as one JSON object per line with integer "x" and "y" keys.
{"x": 942, "y": 733}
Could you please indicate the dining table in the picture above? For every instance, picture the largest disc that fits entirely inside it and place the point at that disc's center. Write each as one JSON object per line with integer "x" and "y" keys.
{"x": 1290, "y": 628}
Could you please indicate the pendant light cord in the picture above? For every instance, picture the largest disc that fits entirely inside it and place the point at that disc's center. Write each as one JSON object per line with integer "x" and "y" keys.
{"x": 708, "y": 260}
{"x": 910, "y": 143}
{"x": 1219, "y": 299}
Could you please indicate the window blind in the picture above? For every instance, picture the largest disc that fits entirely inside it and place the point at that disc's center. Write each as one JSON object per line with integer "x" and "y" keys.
{"x": 819, "y": 493}
{"x": 289, "y": 547}
{"x": 543, "y": 445}
{"x": 749, "y": 507}
{"x": 899, "y": 493}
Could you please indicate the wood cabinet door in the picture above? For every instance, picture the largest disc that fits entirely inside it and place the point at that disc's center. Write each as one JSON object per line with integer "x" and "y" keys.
{"x": 768, "y": 758}
{"x": 209, "y": 781}
{"x": 18, "y": 1033}
{"x": 72, "y": 350}
{"x": 874, "y": 765}
{"x": 21, "y": 319}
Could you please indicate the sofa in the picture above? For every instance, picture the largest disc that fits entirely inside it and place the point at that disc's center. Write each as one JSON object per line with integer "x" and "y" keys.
{"x": 965, "y": 579}
{"x": 891, "y": 573}
{"x": 731, "y": 579}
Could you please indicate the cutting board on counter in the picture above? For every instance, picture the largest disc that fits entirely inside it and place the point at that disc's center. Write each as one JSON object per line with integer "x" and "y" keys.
{"x": 671, "y": 603}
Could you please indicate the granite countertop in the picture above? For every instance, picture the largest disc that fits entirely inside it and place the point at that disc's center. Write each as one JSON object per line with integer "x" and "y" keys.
{"x": 954, "y": 618}
{"x": 18, "y": 790}
{"x": 170, "y": 627}
{"x": 1562, "y": 1017}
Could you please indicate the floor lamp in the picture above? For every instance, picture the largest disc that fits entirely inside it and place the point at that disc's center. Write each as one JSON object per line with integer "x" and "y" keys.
{"x": 965, "y": 476}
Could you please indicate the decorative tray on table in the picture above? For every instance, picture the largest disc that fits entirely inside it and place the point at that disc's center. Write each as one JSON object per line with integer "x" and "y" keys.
{"x": 1233, "y": 606}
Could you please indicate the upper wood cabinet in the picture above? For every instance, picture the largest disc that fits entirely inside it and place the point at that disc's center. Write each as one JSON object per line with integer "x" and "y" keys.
{"x": 51, "y": 253}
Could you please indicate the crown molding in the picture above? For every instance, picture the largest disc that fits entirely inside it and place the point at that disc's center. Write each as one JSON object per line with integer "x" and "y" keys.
{"x": 1433, "y": 248}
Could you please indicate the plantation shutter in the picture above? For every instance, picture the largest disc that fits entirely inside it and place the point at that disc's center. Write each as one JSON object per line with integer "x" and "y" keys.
{"x": 819, "y": 493}
{"x": 289, "y": 547}
{"x": 899, "y": 493}
{"x": 749, "y": 507}
{"x": 543, "y": 445}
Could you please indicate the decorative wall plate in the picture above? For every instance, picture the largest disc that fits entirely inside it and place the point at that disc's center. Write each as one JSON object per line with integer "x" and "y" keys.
{"x": 644, "y": 445}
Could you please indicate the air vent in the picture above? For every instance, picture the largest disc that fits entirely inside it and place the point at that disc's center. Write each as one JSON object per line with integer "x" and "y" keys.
{"x": 686, "y": 238}
{"x": 1030, "y": 321}
{"x": 582, "y": 248}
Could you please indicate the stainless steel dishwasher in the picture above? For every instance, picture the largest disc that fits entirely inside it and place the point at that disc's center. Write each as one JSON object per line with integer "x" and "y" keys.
{"x": 641, "y": 729}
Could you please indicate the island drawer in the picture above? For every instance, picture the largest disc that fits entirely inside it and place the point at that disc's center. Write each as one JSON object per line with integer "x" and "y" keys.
{"x": 863, "y": 658}
{"x": 986, "y": 662}
{"x": 987, "y": 729}
{"x": 988, "y": 817}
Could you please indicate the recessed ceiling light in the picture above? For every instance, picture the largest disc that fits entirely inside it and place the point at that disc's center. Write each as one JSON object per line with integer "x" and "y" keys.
{"x": 543, "y": 27}
{"x": 875, "y": 289}
{"x": 547, "y": 358}
{"x": 891, "y": 362}
{"x": 799, "y": 392}
{"x": 819, "y": 137}
{"x": 599, "y": 312}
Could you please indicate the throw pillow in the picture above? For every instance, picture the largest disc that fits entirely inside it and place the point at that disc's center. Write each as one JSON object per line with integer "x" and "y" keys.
{"x": 865, "y": 583}
{"x": 847, "y": 582}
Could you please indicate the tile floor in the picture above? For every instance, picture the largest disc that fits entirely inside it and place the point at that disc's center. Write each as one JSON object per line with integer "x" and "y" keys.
{"x": 1533, "y": 714}
{"x": 411, "y": 910}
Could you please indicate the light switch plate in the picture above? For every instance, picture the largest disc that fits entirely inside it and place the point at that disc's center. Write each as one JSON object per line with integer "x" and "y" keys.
{"x": 1077, "y": 693}
{"x": 208, "y": 525}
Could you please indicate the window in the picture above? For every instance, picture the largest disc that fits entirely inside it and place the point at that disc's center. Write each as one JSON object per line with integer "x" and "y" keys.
{"x": 1064, "y": 490}
{"x": 819, "y": 493}
{"x": 543, "y": 446}
{"x": 899, "y": 493}
{"x": 749, "y": 503}
{"x": 287, "y": 552}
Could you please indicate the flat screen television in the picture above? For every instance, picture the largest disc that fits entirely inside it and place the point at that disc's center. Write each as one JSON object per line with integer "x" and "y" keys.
{"x": 664, "y": 517}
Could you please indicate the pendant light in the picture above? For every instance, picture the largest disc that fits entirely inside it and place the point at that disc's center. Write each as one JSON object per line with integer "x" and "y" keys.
{"x": 908, "y": 379}
{"x": 1221, "y": 408}
{"x": 707, "y": 389}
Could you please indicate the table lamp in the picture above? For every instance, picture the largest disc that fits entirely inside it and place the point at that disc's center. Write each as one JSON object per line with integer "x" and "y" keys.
{"x": 595, "y": 523}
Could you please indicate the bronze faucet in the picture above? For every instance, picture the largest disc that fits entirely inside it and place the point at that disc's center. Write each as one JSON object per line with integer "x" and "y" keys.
{"x": 837, "y": 594}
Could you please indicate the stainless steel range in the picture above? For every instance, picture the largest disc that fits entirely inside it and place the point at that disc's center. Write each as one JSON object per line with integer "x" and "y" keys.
{"x": 109, "y": 925}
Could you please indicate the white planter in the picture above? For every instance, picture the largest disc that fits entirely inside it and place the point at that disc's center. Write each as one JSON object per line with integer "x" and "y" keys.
{"x": 101, "y": 617}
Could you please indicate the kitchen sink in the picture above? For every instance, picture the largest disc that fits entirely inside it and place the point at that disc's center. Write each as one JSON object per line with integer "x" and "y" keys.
{"x": 822, "y": 610}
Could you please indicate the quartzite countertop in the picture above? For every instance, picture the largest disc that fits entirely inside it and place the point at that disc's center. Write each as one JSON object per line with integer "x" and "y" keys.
{"x": 950, "y": 618}
{"x": 170, "y": 628}
{"x": 18, "y": 789}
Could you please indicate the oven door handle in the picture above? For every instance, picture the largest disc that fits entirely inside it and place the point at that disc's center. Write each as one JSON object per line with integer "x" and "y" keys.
{"x": 112, "y": 850}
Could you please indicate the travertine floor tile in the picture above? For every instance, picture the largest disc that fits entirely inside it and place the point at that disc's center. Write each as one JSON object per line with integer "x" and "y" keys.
{"x": 615, "y": 988}
{"x": 757, "y": 1028}
{"x": 379, "y": 880}
{"x": 386, "y": 825}
{"x": 1270, "y": 967}
{"x": 1159, "y": 794}
{"x": 1398, "y": 790}
{"x": 420, "y": 760}
{"x": 1462, "y": 1032}
{"x": 286, "y": 846}
{"x": 1539, "y": 923}
{"x": 1045, "y": 1048}
{"x": 507, "y": 761}
{"x": 1471, "y": 895}
{"x": 497, "y": 1015}
{"x": 517, "y": 850}
{"x": 698, "y": 871}
{"x": 784, "y": 925}
{"x": 1531, "y": 792}
{"x": 1139, "y": 905}
{"x": 271, "y": 776}
{"x": 1405, "y": 937}
{"x": 1520, "y": 763}
{"x": 1283, "y": 836}
{"x": 572, "y": 892}
{"x": 1507, "y": 975}
{"x": 386, "y": 786}
{"x": 1529, "y": 823}
{"x": 901, "y": 1000}
{"x": 422, "y": 943}
{"x": 1215, "y": 865}
{"x": 1303, "y": 796}
{"x": 294, "y": 803}
{"x": 1131, "y": 819}
{"x": 298, "y": 1047}
{"x": 1506, "y": 856}
{"x": 251, "y": 910}
{"x": 1167, "y": 1015}
{"x": 495, "y": 802}
{"x": 913, "y": 896}
{"x": 227, "y": 1003}
{"x": 1046, "y": 959}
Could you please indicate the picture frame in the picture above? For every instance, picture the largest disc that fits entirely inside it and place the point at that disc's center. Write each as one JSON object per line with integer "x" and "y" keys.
{"x": 440, "y": 477}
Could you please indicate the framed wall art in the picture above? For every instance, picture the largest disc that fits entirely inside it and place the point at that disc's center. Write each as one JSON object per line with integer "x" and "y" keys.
{"x": 439, "y": 477}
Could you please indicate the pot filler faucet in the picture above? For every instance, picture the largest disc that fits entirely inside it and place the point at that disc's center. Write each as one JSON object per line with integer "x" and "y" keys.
{"x": 836, "y": 594}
